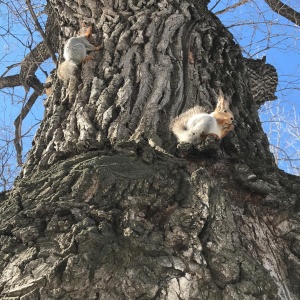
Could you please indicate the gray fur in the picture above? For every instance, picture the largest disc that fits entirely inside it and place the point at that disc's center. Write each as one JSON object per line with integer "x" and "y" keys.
{"x": 76, "y": 49}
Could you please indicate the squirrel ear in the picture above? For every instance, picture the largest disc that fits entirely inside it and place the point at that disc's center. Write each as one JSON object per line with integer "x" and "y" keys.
{"x": 88, "y": 32}
{"x": 221, "y": 105}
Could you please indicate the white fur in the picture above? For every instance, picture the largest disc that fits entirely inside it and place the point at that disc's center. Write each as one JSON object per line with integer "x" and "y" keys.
{"x": 195, "y": 126}
{"x": 76, "y": 49}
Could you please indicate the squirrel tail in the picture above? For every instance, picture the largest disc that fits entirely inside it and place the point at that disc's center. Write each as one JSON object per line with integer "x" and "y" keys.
{"x": 65, "y": 70}
{"x": 179, "y": 124}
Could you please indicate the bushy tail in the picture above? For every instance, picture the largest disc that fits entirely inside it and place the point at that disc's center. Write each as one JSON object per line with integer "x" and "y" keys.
{"x": 179, "y": 124}
{"x": 65, "y": 70}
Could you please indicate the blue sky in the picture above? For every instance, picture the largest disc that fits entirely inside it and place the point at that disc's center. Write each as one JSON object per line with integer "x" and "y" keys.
{"x": 12, "y": 52}
{"x": 260, "y": 31}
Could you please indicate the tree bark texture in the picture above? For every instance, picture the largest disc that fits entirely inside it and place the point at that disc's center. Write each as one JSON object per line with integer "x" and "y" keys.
{"x": 158, "y": 59}
{"x": 105, "y": 208}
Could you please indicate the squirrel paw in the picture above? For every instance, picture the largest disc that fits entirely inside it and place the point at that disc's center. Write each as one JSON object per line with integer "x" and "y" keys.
{"x": 87, "y": 58}
{"x": 182, "y": 146}
{"x": 212, "y": 136}
{"x": 212, "y": 140}
{"x": 228, "y": 127}
{"x": 183, "y": 149}
{"x": 209, "y": 145}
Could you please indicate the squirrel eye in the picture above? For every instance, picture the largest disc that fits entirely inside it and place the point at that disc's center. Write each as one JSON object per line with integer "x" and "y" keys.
{"x": 231, "y": 118}
{"x": 225, "y": 110}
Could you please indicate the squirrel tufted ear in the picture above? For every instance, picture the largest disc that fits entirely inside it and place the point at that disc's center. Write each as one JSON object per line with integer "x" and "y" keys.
{"x": 221, "y": 105}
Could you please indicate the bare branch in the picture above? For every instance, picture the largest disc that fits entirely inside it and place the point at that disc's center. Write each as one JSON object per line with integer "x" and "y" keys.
{"x": 31, "y": 63}
{"x": 228, "y": 8}
{"x": 18, "y": 125}
{"x": 10, "y": 81}
{"x": 39, "y": 28}
{"x": 284, "y": 10}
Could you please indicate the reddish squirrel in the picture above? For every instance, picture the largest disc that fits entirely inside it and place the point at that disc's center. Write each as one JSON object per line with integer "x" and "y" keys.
{"x": 194, "y": 125}
{"x": 75, "y": 53}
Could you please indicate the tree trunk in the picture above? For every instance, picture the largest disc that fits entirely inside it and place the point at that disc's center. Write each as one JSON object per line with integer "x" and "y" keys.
{"x": 107, "y": 208}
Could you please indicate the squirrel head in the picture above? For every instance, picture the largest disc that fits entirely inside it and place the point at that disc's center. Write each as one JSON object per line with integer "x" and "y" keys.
{"x": 222, "y": 113}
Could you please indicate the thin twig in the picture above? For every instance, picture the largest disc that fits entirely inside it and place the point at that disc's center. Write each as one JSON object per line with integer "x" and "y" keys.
{"x": 231, "y": 7}
{"x": 215, "y": 5}
{"x": 9, "y": 68}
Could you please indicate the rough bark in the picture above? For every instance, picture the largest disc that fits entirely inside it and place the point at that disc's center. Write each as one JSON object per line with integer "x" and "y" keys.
{"x": 105, "y": 209}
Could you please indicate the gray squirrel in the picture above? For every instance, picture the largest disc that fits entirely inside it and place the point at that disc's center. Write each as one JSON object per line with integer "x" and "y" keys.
{"x": 194, "y": 125}
{"x": 75, "y": 53}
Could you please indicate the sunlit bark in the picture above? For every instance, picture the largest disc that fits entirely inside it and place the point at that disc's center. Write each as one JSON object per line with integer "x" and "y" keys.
{"x": 105, "y": 208}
